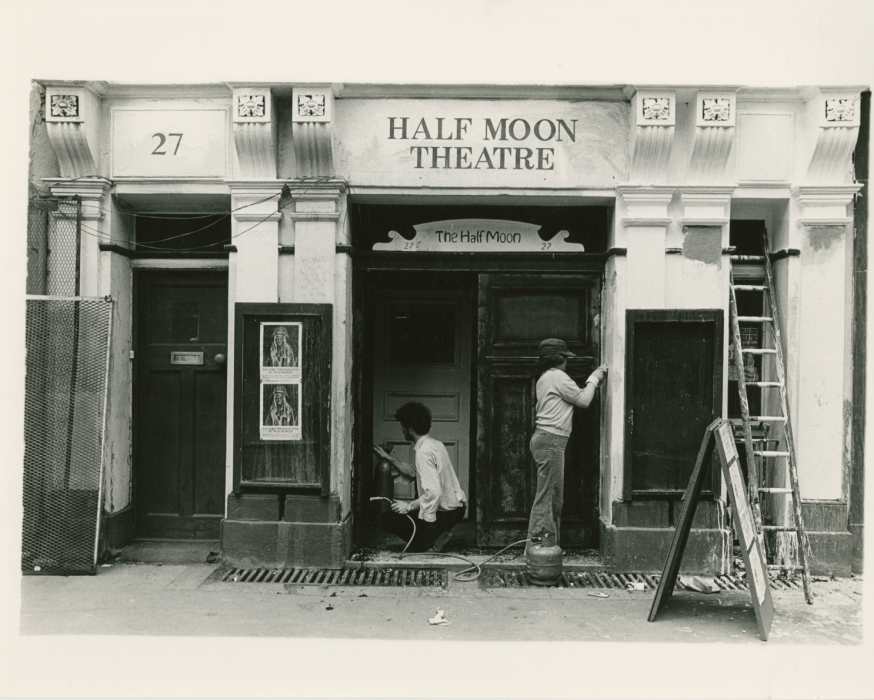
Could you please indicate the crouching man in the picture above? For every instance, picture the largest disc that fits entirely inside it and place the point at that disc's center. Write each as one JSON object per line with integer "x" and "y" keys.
{"x": 441, "y": 501}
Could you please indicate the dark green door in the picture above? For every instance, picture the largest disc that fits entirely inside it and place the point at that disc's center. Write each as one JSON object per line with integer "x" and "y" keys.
{"x": 180, "y": 398}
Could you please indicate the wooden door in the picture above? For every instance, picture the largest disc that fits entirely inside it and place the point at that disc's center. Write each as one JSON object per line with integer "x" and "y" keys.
{"x": 180, "y": 390}
{"x": 422, "y": 352}
{"x": 516, "y": 312}
{"x": 673, "y": 391}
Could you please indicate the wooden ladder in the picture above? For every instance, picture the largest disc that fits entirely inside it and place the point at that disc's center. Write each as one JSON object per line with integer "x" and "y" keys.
{"x": 782, "y": 450}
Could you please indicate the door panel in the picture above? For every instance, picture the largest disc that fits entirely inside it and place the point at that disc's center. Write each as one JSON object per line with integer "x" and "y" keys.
{"x": 516, "y": 312}
{"x": 422, "y": 352}
{"x": 181, "y": 404}
{"x": 673, "y": 392}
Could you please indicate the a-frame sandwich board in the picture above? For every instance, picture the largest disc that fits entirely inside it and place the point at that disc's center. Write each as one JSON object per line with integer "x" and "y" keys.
{"x": 718, "y": 435}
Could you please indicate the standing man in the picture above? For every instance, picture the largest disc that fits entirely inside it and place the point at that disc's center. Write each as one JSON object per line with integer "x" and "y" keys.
{"x": 557, "y": 395}
{"x": 441, "y": 501}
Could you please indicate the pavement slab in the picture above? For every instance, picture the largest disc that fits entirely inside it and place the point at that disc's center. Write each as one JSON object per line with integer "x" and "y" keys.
{"x": 142, "y": 599}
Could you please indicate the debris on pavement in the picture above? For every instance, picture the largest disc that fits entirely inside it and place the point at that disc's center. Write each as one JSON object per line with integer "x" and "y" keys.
{"x": 635, "y": 586}
{"x": 699, "y": 583}
{"x": 212, "y": 557}
{"x": 598, "y": 594}
{"x": 438, "y": 619}
{"x": 330, "y": 607}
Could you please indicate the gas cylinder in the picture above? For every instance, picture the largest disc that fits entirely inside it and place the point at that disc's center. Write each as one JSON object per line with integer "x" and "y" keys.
{"x": 385, "y": 481}
{"x": 543, "y": 561}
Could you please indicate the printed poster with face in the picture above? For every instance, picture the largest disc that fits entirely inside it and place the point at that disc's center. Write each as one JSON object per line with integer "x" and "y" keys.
{"x": 280, "y": 412}
{"x": 280, "y": 351}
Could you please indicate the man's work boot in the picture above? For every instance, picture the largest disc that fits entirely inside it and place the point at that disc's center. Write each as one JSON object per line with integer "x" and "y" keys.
{"x": 441, "y": 541}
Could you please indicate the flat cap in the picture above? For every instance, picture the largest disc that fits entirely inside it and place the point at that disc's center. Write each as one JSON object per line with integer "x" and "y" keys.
{"x": 554, "y": 346}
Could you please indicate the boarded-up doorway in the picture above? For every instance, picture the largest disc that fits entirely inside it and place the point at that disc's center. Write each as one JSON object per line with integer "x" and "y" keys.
{"x": 673, "y": 391}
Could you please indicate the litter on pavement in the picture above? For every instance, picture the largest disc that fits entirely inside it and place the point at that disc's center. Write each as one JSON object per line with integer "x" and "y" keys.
{"x": 438, "y": 619}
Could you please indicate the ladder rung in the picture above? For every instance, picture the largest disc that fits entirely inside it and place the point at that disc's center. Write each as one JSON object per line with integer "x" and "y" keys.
{"x": 774, "y": 490}
{"x": 780, "y": 528}
{"x": 759, "y": 351}
{"x": 788, "y": 567}
{"x": 768, "y": 419}
{"x": 748, "y": 258}
{"x": 755, "y": 319}
{"x": 770, "y": 453}
{"x": 764, "y": 384}
{"x": 750, "y": 288}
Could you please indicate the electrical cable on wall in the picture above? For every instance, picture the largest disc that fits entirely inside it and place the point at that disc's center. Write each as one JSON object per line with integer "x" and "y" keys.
{"x": 107, "y": 238}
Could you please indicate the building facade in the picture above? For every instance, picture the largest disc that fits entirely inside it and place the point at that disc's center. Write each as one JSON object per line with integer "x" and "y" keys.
{"x": 289, "y": 263}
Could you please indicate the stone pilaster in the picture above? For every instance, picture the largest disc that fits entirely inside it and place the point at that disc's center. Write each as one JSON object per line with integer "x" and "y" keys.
{"x": 823, "y": 344}
{"x": 255, "y": 231}
{"x": 644, "y": 217}
{"x": 323, "y": 275}
{"x": 653, "y": 123}
{"x": 696, "y": 270}
{"x": 634, "y": 277}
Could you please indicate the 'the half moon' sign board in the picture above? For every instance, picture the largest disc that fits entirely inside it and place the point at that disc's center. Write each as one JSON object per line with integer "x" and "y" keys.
{"x": 479, "y": 236}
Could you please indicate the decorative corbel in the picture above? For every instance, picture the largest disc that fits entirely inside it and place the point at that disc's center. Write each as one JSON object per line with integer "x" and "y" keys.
{"x": 72, "y": 114}
{"x": 715, "y": 115}
{"x": 652, "y": 136}
{"x": 255, "y": 133}
{"x": 312, "y": 111}
{"x": 838, "y": 116}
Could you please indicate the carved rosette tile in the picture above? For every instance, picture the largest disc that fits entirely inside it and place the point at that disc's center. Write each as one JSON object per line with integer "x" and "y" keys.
{"x": 65, "y": 106}
{"x": 716, "y": 109}
{"x": 310, "y": 105}
{"x": 251, "y": 105}
{"x": 656, "y": 109}
{"x": 840, "y": 110}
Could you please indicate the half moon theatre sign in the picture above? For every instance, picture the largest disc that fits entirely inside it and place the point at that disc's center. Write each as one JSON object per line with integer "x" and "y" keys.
{"x": 479, "y": 236}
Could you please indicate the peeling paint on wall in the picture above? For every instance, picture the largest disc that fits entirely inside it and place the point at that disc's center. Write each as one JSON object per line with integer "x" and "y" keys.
{"x": 821, "y": 238}
{"x": 703, "y": 243}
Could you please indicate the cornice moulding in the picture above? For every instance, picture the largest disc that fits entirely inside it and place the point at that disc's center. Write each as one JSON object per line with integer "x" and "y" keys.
{"x": 267, "y": 185}
{"x": 814, "y": 190}
{"x": 643, "y": 221}
{"x": 716, "y": 221}
{"x": 839, "y": 221}
{"x": 258, "y": 217}
{"x": 313, "y": 215}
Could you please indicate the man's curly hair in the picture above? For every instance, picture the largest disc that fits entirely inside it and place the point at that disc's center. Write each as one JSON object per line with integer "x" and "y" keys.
{"x": 416, "y": 416}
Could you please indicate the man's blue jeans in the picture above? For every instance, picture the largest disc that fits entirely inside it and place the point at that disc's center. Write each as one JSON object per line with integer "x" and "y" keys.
{"x": 548, "y": 452}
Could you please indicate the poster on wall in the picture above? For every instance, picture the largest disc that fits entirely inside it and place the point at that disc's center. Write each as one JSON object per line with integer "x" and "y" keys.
{"x": 280, "y": 351}
{"x": 280, "y": 411}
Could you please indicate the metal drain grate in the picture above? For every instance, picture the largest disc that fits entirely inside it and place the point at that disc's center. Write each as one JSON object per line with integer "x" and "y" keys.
{"x": 365, "y": 576}
{"x": 515, "y": 578}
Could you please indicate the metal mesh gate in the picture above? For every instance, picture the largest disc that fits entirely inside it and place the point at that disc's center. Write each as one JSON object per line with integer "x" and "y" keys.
{"x": 54, "y": 230}
{"x": 65, "y": 401}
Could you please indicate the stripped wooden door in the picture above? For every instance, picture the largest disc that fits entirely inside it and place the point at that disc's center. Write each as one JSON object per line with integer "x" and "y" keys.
{"x": 516, "y": 312}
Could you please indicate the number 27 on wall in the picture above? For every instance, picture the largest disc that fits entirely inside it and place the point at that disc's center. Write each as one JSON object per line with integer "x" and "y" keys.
{"x": 163, "y": 140}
